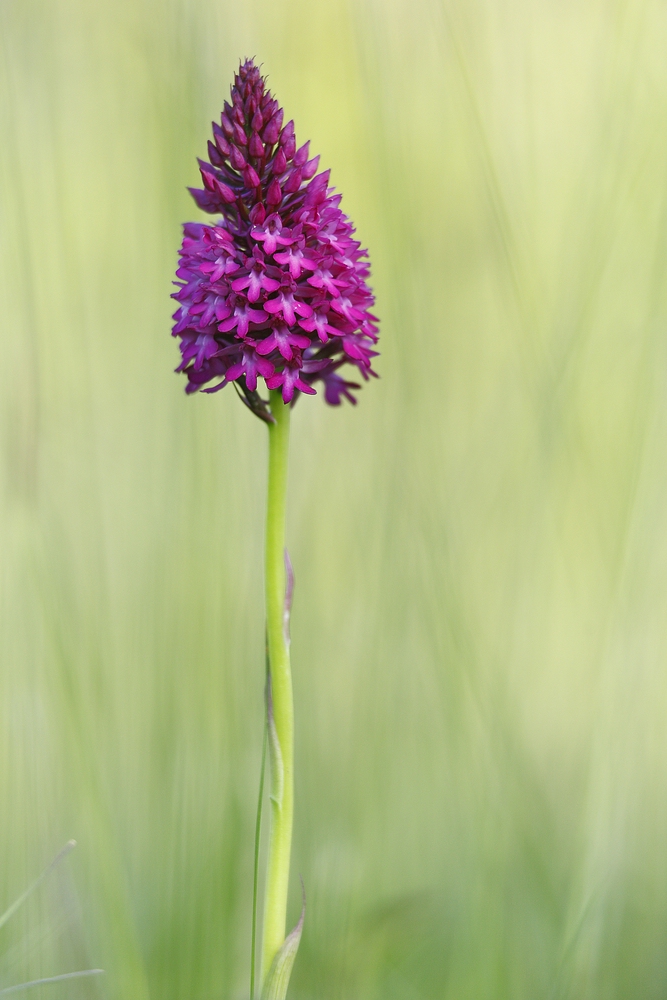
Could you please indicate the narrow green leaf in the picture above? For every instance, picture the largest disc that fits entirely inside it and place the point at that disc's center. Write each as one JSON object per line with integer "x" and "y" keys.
{"x": 258, "y": 831}
{"x": 277, "y": 981}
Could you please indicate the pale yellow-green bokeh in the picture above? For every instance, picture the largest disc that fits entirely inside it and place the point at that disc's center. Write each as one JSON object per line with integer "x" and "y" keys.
{"x": 479, "y": 629}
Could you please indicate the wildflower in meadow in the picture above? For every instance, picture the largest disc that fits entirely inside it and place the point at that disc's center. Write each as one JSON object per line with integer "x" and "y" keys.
{"x": 276, "y": 289}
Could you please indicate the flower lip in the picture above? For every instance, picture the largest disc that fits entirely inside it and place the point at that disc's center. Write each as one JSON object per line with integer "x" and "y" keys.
{"x": 277, "y": 287}
{"x": 270, "y": 233}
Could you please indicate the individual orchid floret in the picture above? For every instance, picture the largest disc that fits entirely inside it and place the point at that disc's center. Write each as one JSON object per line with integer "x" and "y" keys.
{"x": 276, "y": 288}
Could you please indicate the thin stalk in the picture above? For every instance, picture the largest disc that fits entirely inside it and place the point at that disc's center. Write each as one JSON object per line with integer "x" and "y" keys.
{"x": 70, "y": 845}
{"x": 280, "y": 710}
{"x": 51, "y": 979}
{"x": 255, "y": 877}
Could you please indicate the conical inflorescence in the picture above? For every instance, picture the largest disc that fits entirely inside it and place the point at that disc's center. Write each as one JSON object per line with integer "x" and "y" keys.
{"x": 277, "y": 288}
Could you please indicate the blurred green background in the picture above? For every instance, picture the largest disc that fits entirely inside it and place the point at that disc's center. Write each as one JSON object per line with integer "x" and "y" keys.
{"x": 479, "y": 628}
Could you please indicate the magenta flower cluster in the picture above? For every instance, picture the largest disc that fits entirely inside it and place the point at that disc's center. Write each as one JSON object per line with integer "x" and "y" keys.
{"x": 277, "y": 288}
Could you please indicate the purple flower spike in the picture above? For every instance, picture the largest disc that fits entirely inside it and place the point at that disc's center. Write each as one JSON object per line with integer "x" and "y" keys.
{"x": 277, "y": 287}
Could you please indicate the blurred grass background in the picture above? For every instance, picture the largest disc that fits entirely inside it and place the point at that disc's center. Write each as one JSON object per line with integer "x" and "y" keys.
{"x": 479, "y": 629}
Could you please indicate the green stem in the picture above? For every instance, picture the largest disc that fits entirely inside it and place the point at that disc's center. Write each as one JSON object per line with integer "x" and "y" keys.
{"x": 280, "y": 706}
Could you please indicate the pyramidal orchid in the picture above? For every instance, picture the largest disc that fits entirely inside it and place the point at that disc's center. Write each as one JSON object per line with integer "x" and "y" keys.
{"x": 277, "y": 288}
{"x": 273, "y": 291}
